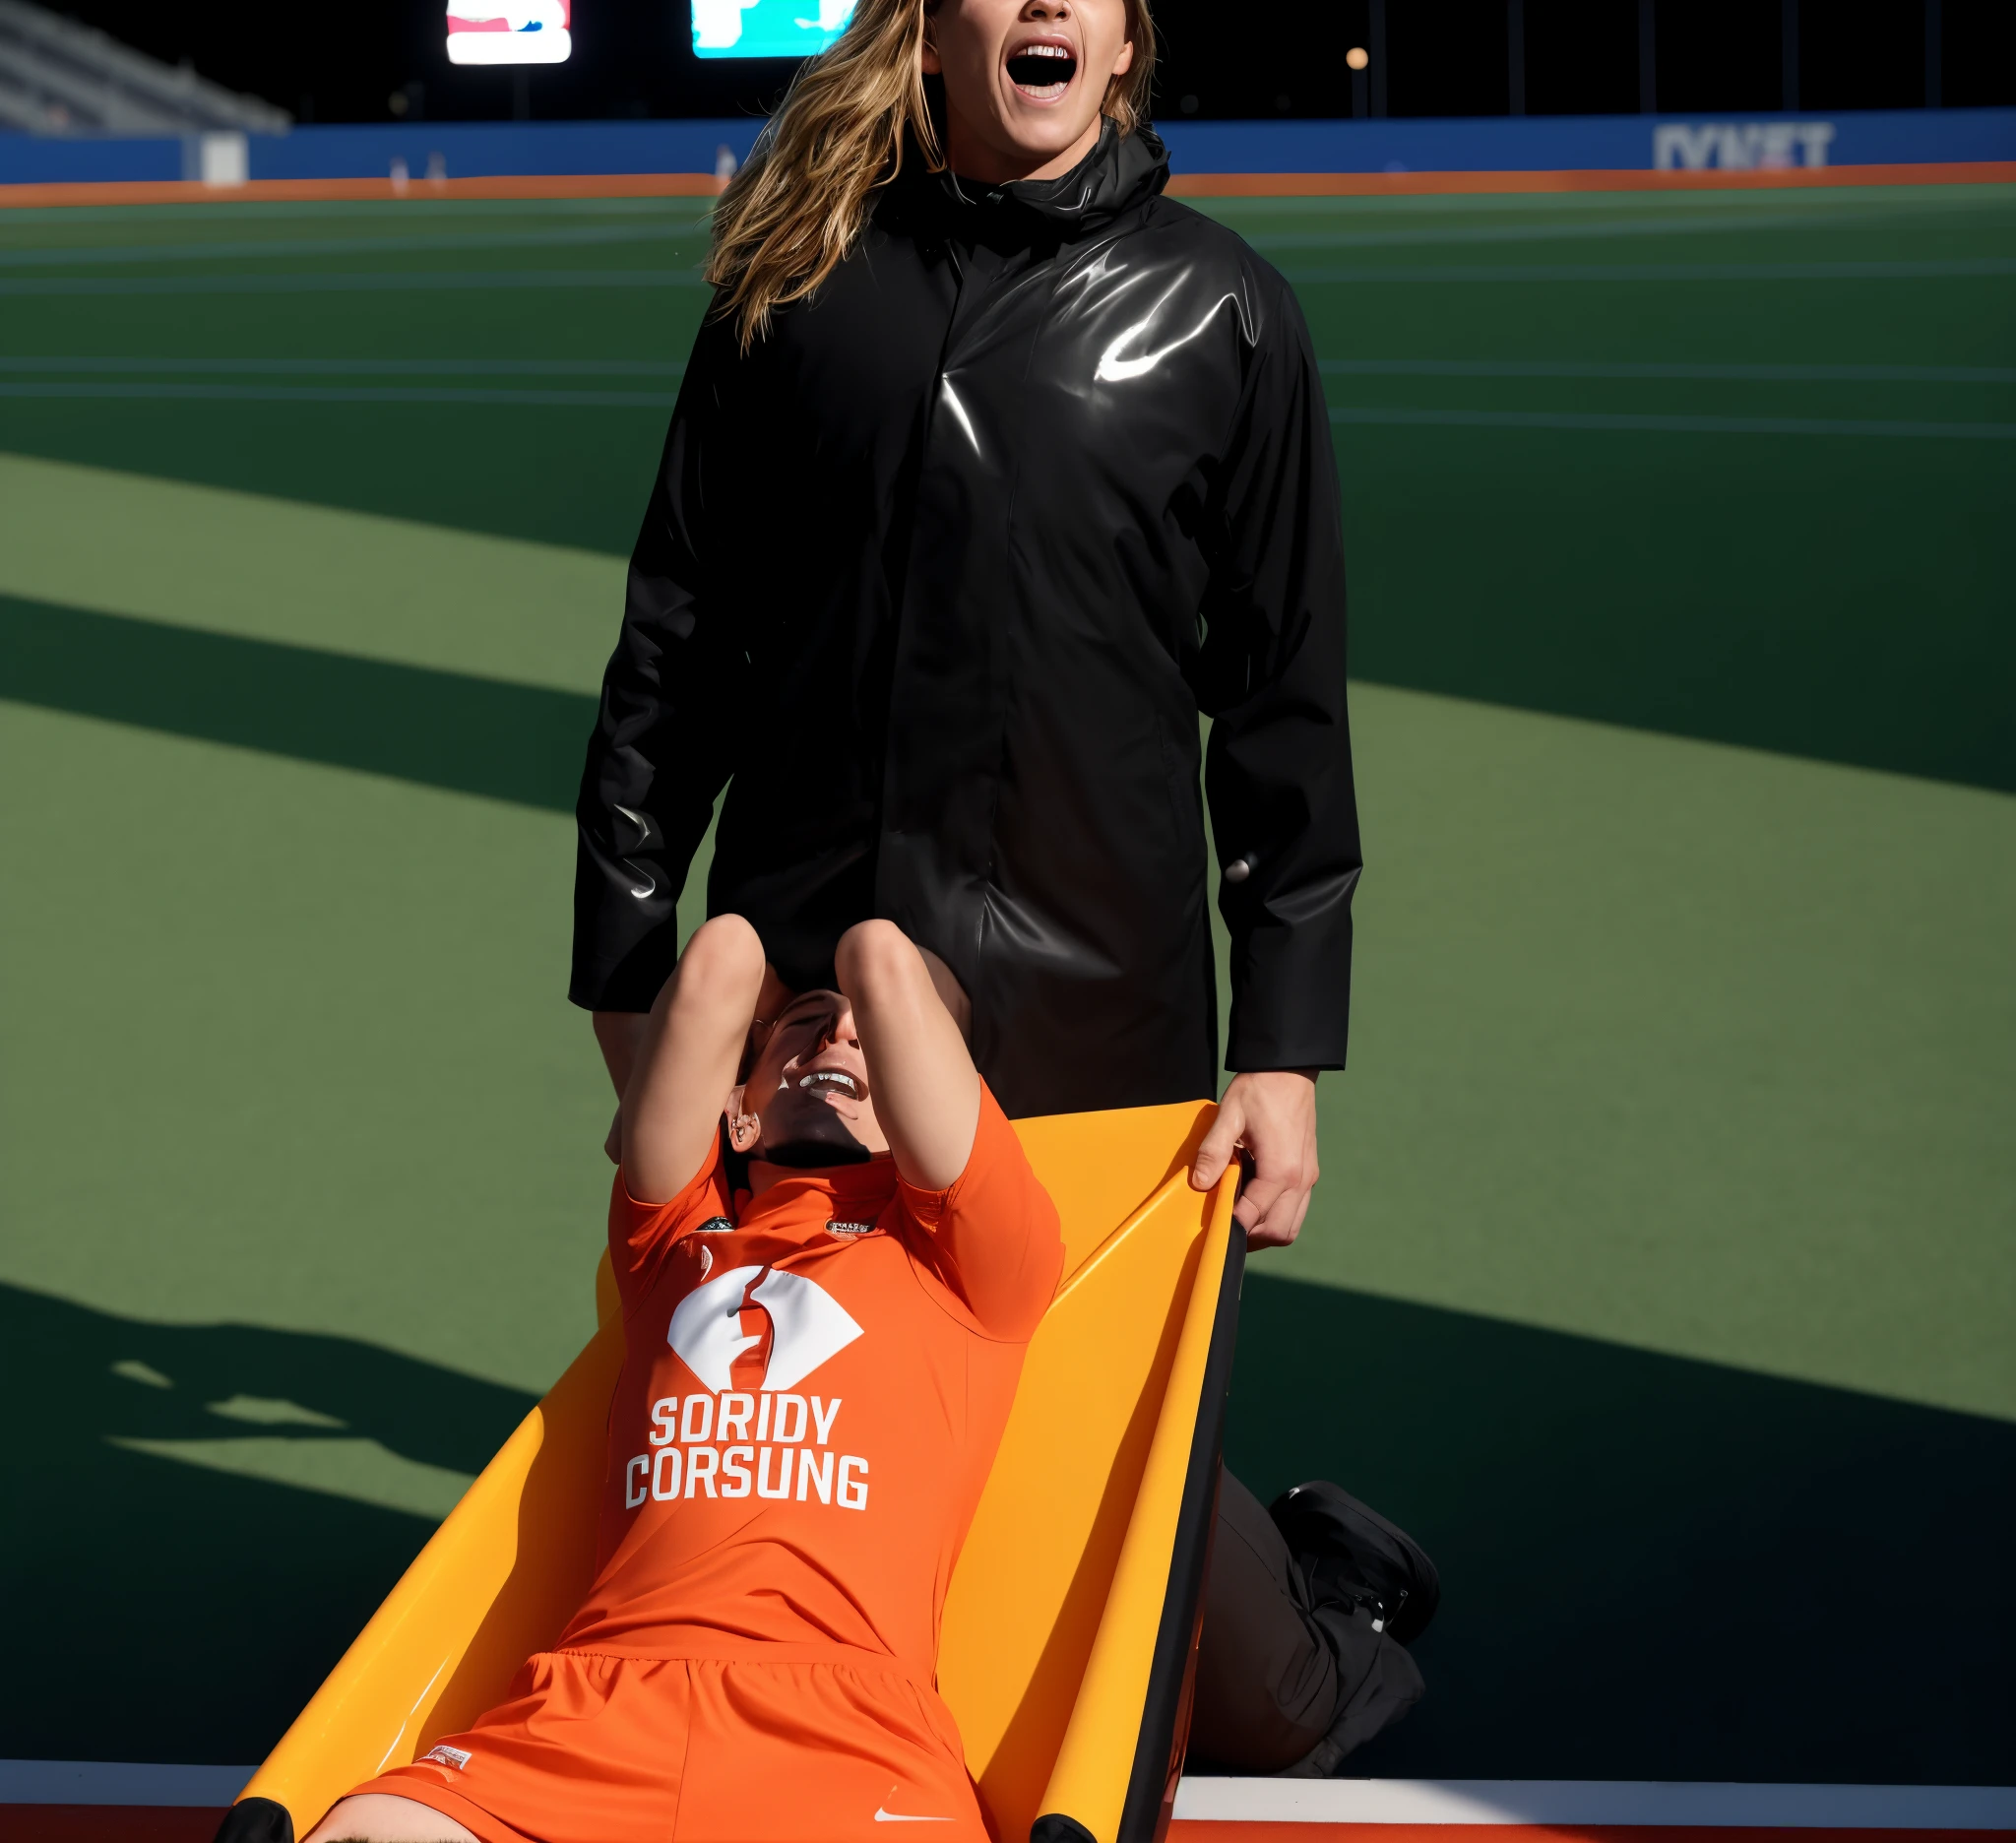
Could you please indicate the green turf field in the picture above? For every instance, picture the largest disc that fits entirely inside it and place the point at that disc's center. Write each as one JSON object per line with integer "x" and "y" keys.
{"x": 1664, "y": 1271}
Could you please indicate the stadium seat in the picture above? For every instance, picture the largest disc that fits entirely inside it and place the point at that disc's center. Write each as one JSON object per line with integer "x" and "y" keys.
{"x": 1071, "y": 1622}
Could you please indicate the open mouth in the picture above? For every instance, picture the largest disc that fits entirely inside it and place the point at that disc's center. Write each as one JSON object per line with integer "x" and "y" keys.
{"x": 1042, "y": 72}
{"x": 834, "y": 1082}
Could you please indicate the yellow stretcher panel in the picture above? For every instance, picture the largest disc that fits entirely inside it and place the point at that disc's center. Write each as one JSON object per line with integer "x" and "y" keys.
{"x": 1070, "y": 1618}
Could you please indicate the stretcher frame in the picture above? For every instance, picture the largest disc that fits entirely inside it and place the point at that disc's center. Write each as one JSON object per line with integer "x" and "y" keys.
{"x": 1070, "y": 1630}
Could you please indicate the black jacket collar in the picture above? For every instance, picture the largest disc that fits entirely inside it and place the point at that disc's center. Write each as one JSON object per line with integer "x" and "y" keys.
{"x": 1122, "y": 172}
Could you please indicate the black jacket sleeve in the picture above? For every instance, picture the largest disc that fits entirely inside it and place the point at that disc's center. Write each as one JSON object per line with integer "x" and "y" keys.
{"x": 1278, "y": 768}
{"x": 671, "y": 706}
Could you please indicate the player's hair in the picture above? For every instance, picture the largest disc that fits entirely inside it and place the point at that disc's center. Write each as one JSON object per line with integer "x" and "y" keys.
{"x": 791, "y": 214}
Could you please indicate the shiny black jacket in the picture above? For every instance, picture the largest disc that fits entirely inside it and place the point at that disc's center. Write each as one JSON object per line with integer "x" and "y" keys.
{"x": 936, "y": 580}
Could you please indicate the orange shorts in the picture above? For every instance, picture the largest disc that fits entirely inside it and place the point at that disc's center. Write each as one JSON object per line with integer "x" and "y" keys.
{"x": 590, "y": 1749}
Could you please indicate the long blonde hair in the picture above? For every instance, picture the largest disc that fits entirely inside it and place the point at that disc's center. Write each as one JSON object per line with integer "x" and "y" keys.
{"x": 792, "y": 213}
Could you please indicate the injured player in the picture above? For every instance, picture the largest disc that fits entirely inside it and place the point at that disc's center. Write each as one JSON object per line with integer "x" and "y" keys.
{"x": 819, "y": 1367}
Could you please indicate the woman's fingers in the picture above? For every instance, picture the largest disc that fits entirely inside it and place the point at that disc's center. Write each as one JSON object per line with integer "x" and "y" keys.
{"x": 1219, "y": 1143}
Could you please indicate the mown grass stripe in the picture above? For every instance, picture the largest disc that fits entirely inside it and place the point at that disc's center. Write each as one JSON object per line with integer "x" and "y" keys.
{"x": 1600, "y": 422}
{"x": 344, "y": 394}
{"x": 1875, "y": 270}
{"x": 1546, "y": 230}
{"x": 57, "y": 256}
{"x": 363, "y": 282}
{"x": 356, "y": 367}
{"x": 1657, "y": 370}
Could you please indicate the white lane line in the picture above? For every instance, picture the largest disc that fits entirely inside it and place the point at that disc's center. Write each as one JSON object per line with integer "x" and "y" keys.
{"x": 354, "y": 282}
{"x": 1624, "y": 1803}
{"x": 1589, "y": 1802}
{"x": 352, "y": 367}
{"x": 1599, "y": 422}
{"x": 1872, "y": 270}
{"x": 1648, "y": 369}
{"x": 345, "y": 394}
{"x": 213, "y": 212}
{"x": 116, "y": 1782}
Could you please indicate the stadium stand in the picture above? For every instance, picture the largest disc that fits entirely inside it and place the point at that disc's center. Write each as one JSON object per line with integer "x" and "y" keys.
{"x": 61, "y": 78}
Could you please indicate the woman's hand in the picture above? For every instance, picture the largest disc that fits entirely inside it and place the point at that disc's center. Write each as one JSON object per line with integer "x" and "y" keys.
{"x": 1271, "y": 1116}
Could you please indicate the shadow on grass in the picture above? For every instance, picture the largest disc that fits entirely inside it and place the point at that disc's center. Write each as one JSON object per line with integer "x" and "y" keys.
{"x": 1652, "y": 1568}
{"x": 1837, "y": 600}
{"x": 159, "y": 1611}
{"x": 517, "y": 743}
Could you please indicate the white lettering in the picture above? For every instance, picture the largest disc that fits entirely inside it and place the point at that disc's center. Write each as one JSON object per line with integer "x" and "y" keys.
{"x": 819, "y": 1477}
{"x": 735, "y": 1410}
{"x": 701, "y": 1464}
{"x": 1774, "y": 147}
{"x": 665, "y": 1414}
{"x": 853, "y": 1491}
{"x": 784, "y": 1477}
{"x": 704, "y": 1405}
{"x": 659, "y": 1487}
{"x": 1675, "y": 144}
{"x": 763, "y": 1420}
{"x": 734, "y": 1471}
{"x": 796, "y": 1431}
{"x": 633, "y": 1484}
{"x": 822, "y": 1416}
{"x": 1738, "y": 147}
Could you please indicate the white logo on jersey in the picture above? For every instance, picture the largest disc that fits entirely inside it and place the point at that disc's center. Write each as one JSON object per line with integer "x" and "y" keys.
{"x": 807, "y": 1326}
{"x": 884, "y": 1815}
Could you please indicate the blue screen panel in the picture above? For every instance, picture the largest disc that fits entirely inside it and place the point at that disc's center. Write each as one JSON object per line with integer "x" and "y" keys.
{"x": 767, "y": 29}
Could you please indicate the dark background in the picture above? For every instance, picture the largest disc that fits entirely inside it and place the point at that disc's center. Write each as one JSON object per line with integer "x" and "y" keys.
{"x": 383, "y": 60}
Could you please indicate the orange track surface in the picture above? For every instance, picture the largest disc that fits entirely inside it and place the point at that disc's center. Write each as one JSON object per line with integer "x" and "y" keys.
{"x": 1184, "y": 185}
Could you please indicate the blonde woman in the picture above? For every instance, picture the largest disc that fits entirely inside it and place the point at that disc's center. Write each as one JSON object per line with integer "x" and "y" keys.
{"x": 993, "y": 469}
{"x": 1012, "y": 465}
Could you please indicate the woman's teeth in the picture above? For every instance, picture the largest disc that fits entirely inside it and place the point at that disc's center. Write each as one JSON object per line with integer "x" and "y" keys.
{"x": 1042, "y": 71}
{"x": 835, "y": 1081}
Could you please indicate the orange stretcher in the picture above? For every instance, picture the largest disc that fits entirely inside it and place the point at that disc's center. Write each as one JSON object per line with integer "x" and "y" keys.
{"x": 1070, "y": 1627}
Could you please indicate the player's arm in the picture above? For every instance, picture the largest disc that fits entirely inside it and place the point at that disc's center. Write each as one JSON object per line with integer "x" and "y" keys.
{"x": 926, "y": 1091}
{"x": 687, "y": 1059}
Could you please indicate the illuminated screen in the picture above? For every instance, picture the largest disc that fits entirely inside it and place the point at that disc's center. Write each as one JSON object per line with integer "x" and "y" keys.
{"x": 767, "y": 29}
{"x": 509, "y": 31}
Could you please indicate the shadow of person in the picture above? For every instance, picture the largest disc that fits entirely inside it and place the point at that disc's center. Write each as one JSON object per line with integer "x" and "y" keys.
{"x": 199, "y": 1519}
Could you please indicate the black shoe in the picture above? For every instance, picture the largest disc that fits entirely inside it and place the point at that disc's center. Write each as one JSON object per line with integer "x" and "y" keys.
{"x": 257, "y": 1820}
{"x": 1352, "y": 1556}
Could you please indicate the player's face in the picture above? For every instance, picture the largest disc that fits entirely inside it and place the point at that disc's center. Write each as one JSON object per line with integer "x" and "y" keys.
{"x": 809, "y": 1089}
{"x": 1024, "y": 80}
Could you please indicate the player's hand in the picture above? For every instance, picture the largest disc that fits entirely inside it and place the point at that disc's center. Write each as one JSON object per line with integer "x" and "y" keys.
{"x": 1270, "y": 1116}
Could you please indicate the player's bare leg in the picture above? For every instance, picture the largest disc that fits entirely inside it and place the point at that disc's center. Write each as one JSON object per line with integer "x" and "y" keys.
{"x": 380, "y": 1817}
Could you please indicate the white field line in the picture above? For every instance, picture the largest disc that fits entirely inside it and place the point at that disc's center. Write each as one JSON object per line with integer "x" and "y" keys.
{"x": 1278, "y": 1801}
{"x": 1605, "y": 421}
{"x": 112, "y": 1782}
{"x": 1598, "y": 1802}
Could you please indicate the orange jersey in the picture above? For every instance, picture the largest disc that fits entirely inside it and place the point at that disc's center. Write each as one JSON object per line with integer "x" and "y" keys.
{"x": 815, "y": 1384}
